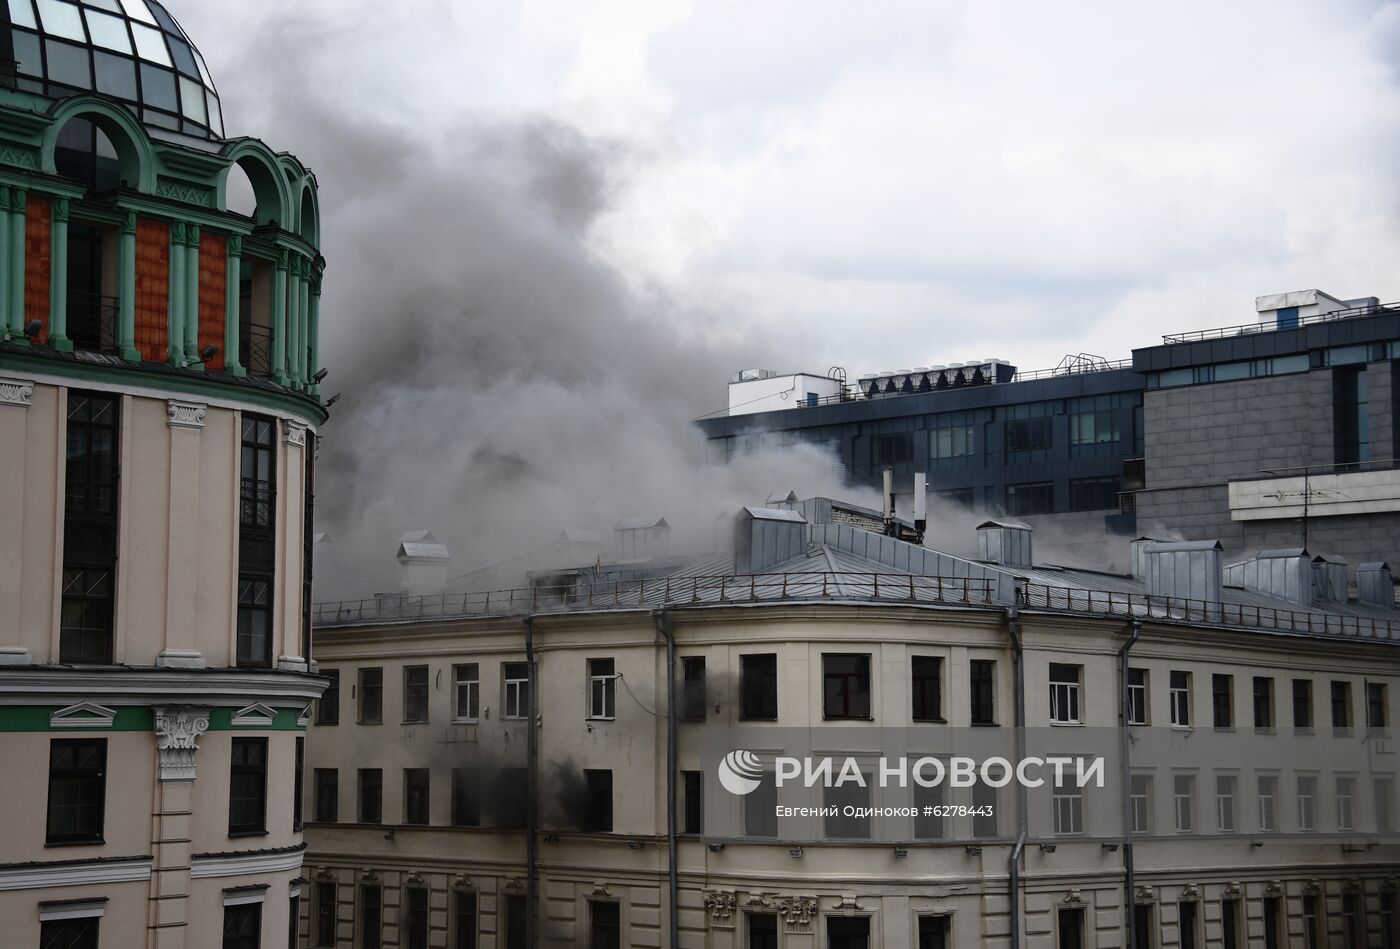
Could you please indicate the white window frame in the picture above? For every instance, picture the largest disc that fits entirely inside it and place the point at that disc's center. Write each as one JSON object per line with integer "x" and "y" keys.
{"x": 1307, "y": 802}
{"x": 1226, "y": 799}
{"x": 1137, "y": 700}
{"x": 1268, "y": 803}
{"x": 1065, "y": 697}
{"x": 473, "y": 691}
{"x": 513, "y": 690}
{"x": 602, "y": 691}
{"x": 1180, "y": 697}
{"x": 1346, "y": 803}
{"x": 1069, "y": 810}
{"x": 1145, "y": 800}
{"x": 1182, "y": 803}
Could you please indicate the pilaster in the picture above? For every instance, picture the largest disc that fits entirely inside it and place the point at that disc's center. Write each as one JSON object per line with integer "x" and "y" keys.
{"x": 279, "y": 319}
{"x": 175, "y": 326}
{"x": 18, "y": 198}
{"x": 58, "y": 278}
{"x": 190, "y": 299}
{"x": 232, "y": 276}
{"x": 126, "y": 290}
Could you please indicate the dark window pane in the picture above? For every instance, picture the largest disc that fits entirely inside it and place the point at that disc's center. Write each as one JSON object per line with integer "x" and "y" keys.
{"x": 599, "y": 814}
{"x": 68, "y": 65}
{"x": 328, "y": 707}
{"x": 463, "y": 920}
{"x": 69, "y": 934}
{"x": 247, "y": 803}
{"x": 158, "y": 88}
{"x": 371, "y": 917}
{"x": 371, "y": 795}
{"x": 327, "y": 792}
{"x": 242, "y": 926}
{"x": 415, "y": 800}
{"x": 758, "y": 687}
{"x": 416, "y": 918}
{"x": 116, "y": 75}
{"x": 325, "y": 914}
{"x": 606, "y": 929}
{"x": 982, "y": 674}
{"x": 77, "y": 790}
{"x": 846, "y": 686}
{"x": 693, "y": 688}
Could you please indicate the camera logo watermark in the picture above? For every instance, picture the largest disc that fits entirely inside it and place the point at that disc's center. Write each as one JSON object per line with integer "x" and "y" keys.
{"x": 740, "y": 772}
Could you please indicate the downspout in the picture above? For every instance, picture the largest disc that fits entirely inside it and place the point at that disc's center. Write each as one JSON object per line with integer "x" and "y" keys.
{"x": 1129, "y": 887}
{"x": 672, "y": 875}
{"x": 1018, "y": 664}
{"x": 531, "y": 787}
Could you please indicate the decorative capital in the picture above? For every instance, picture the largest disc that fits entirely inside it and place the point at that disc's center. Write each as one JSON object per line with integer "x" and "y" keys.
{"x": 61, "y": 209}
{"x": 192, "y": 234}
{"x": 720, "y": 903}
{"x": 177, "y": 233}
{"x": 1145, "y": 894}
{"x": 15, "y": 392}
{"x": 235, "y": 245}
{"x": 18, "y": 200}
{"x": 4, "y": 198}
{"x": 798, "y": 912}
{"x": 283, "y": 259}
{"x": 177, "y": 727}
{"x": 129, "y": 223}
{"x": 188, "y": 415}
{"x": 295, "y": 434}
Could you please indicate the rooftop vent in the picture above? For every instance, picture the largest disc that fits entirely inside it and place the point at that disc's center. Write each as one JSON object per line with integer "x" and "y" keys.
{"x": 1139, "y": 552}
{"x": 641, "y": 538}
{"x": 422, "y": 564}
{"x": 783, "y": 502}
{"x": 766, "y": 537}
{"x": 1330, "y": 579}
{"x": 1285, "y": 573}
{"x": 1375, "y": 585}
{"x": 1005, "y": 542}
{"x": 1187, "y": 569}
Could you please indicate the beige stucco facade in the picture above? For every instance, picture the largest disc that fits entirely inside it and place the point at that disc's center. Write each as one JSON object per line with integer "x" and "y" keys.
{"x": 894, "y": 878}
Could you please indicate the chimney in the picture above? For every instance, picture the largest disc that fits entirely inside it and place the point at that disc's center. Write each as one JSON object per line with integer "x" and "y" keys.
{"x": 1007, "y": 543}
{"x": 765, "y": 537}
{"x": 1330, "y": 579}
{"x": 422, "y": 564}
{"x": 1187, "y": 569}
{"x": 1375, "y": 586}
{"x": 920, "y": 504}
{"x": 1285, "y": 573}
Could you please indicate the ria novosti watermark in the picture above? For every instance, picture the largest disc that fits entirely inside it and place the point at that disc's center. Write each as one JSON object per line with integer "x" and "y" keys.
{"x": 741, "y": 772}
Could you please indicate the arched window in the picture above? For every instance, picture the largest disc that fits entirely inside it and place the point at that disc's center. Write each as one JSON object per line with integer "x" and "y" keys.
{"x": 310, "y": 227}
{"x": 241, "y": 198}
{"x": 86, "y": 154}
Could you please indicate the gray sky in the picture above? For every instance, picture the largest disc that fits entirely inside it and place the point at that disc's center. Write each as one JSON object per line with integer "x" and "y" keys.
{"x": 554, "y": 228}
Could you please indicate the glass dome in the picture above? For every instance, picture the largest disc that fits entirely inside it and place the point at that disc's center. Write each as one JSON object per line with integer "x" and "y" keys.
{"x": 129, "y": 50}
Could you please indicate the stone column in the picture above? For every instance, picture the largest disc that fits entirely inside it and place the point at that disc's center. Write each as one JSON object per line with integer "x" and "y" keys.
{"x": 126, "y": 290}
{"x": 190, "y": 299}
{"x": 18, "y": 199}
{"x": 303, "y": 371}
{"x": 279, "y": 320}
{"x": 58, "y": 278}
{"x": 177, "y": 729}
{"x": 231, "y": 302}
{"x": 175, "y": 322}
{"x": 7, "y": 321}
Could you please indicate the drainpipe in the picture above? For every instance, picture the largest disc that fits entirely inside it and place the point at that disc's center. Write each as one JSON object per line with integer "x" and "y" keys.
{"x": 1018, "y": 664}
{"x": 1129, "y": 888}
{"x": 531, "y": 787}
{"x": 672, "y": 876}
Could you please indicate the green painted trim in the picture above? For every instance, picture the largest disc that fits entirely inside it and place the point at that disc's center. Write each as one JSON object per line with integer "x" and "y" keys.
{"x": 211, "y": 386}
{"x": 221, "y": 720}
{"x": 35, "y": 718}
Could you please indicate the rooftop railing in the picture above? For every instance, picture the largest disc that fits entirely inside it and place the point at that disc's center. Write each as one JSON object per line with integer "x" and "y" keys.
{"x": 1205, "y": 612}
{"x": 1247, "y": 329}
{"x": 661, "y": 592}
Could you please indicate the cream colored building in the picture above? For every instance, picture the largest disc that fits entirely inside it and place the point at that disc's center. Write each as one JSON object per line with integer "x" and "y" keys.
{"x": 158, "y": 418}
{"x": 1258, "y": 810}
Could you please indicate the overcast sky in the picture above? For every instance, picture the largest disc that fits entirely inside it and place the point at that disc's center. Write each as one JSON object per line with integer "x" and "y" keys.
{"x": 882, "y": 183}
{"x": 554, "y": 228}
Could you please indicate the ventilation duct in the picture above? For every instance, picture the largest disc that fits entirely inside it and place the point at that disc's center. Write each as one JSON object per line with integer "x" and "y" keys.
{"x": 783, "y": 502}
{"x": 1139, "y": 555}
{"x": 422, "y": 564}
{"x": 641, "y": 538}
{"x": 1375, "y": 586}
{"x": 1330, "y": 579}
{"x": 765, "y": 537}
{"x": 1186, "y": 569}
{"x": 1007, "y": 543}
{"x": 1284, "y": 573}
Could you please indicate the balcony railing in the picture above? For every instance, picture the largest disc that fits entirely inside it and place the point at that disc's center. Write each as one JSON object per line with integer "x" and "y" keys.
{"x": 663, "y": 592}
{"x": 1247, "y": 329}
{"x": 255, "y": 349}
{"x": 92, "y": 321}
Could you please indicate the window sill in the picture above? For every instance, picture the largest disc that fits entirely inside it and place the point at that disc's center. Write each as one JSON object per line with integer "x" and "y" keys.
{"x": 742, "y": 719}
{"x": 984, "y": 724}
{"x": 1139, "y": 724}
{"x": 847, "y": 718}
{"x": 601, "y": 718}
{"x": 259, "y": 832}
{"x": 1183, "y": 728}
{"x": 1227, "y": 729}
{"x": 1055, "y": 724}
{"x": 380, "y": 722}
{"x": 930, "y": 721}
{"x": 467, "y": 721}
{"x": 1265, "y": 730}
{"x": 415, "y": 721}
{"x": 85, "y": 842}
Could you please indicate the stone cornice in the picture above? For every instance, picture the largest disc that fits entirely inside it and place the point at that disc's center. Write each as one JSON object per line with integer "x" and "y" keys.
{"x": 48, "y": 685}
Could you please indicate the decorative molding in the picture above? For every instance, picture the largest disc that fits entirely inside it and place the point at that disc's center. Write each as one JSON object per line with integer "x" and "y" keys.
{"x": 176, "y": 729}
{"x": 61, "y": 210}
{"x": 38, "y": 876}
{"x": 257, "y": 715}
{"x": 514, "y": 883}
{"x": 210, "y": 865}
{"x": 848, "y": 904}
{"x": 15, "y": 392}
{"x": 368, "y": 875}
{"x": 1073, "y": 897}
{"x": 294, "y": 434}
{"x": 1232, "y": 889}
{"x": 1144, "y": 894}
{"x": 188, "y": 415}
{"x": 133, "y": 686}
{"x": 83, "y": 715}
{"x": 720, "y": 903}
{"x": 1190, "y": 893}
{"x": 185, "y": 192}
{"x": 415, "y": 879}
{"x": 601, "y": 889}
{"x": 461, "y": 882}
{"x": 235, "y": 245}
{"x": 181, "y": 659}
{"x": 244, "y": 895}
{"x": 798, "y": 912}
{"x": 304, "y": 717}
{"x": 129, "y": 223}
{"x": 291, "y": 664}
{"x": 19, "y": 156}
{"x": 1273, "y": 888}
{"x": 15, "y": 656}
